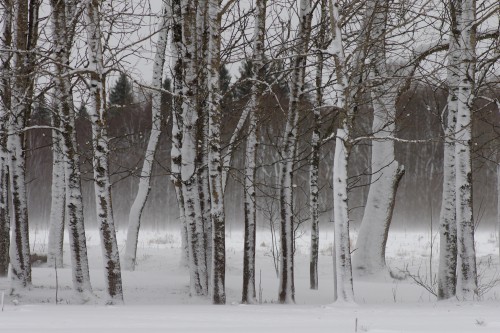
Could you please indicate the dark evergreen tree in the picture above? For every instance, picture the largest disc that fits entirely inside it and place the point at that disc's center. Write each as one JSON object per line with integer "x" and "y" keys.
{"x": 121, "y": 94}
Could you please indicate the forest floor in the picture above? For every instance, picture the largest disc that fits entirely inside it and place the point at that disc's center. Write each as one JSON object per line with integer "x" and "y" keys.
{"x": 157, "y": 299}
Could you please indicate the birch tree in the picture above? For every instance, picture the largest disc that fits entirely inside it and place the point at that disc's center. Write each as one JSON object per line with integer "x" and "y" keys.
{"x": 296, "y": 86}
{"x": 466, "y": 260}
{"x": 315, "y": 148}
{"x": 102, "y": 183}
{"x": 145, "y": 176}
{"x": 447, "y": 220}
{"x": 342, "y": 252}
{"x": 175, "y": 153}
{"x": 58, "y": 196}
{"x": 369, "y": 256}
{"x": 65, "y": 14}
{"x": 5, "y": 106}
{"x": 24, "y": 38}
{"x": 248, "y": 294}
{"x": 218, "y": 290}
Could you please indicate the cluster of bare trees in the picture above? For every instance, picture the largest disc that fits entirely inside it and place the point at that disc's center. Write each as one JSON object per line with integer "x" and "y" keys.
{"x": 316, "y": 66}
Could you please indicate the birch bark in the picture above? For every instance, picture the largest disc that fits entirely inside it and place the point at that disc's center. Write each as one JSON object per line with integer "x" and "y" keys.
{"x": 102, "y": 183}
{"x": 447, "y": 276}
{"x": 64, "y": 14}
{"x": 315, "y": 149}
{"x": 296, "y": 86}
{"x": 342, "y": 252}
{"x": 466, "y": 259}
{"x": 134, "y": 220}
{"x": 5, "y": 106}
{"x": 177, "y": 128}
{"x": 218, "y": 291}
{"x": 369, "y": 256}
{"x": 19, "y": 244}
{"x": 249, "y": 294}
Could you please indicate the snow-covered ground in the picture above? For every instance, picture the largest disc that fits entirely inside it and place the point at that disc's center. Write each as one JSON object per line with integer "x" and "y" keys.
{"x": 157, "y": 299}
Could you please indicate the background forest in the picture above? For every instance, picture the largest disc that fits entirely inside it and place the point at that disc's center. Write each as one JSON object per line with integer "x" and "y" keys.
{"x": 289, "y": 117}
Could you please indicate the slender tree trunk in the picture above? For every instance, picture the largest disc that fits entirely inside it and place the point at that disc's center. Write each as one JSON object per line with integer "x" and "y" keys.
{"x": 19, "y": 246}
{"x": 188, "y": 152}
{"x": 63, "y": 12}
{"x": 58, "y": 195}
{"x": 296, "y": 84}
{"x": 5, "y": 106}
{"x": 315, "y": 150}
{"x": 466, "y": 260}
{"x": 248, "y": 294}
{"x": 102, "y": 183}
{"x": 218, "y": 291}
{"x": 134, "y": 220}
{"x": 447, "y": 276}
{"x": 177, "y": 127}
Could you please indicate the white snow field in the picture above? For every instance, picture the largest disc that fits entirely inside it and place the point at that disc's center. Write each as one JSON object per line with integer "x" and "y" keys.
{"x": 157, "y": 300}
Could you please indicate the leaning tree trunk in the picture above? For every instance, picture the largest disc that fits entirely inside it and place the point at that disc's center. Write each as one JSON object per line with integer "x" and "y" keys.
{"x": 250, "y": 210}
{"x": 5, "y": 44}
{"x": 102, "y": 184}
{"x": 466, "y": 260}
{"x": 134, "y": 219}
{"x": 19, "y": 246}
{"x": 297, "y": 86}
{"x": 447, "y": 273}
{"x": 369, "y": 256}
{"x": 62, "y": 14}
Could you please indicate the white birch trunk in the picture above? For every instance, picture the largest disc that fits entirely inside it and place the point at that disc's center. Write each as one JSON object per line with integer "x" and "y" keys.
{"x": 102, "y": 183}
{"x": 62, "y": 15}
{"x": 369, "y": 256}
{"x": 188, "y": 153}
{"x": 58, "y": 202}
{"x": 315, "y": 150}
{"x": 134, "y": 220}
{"x": 218, "y": 291}
{"x": 250, "y": 210}
{"x": 466, "y": 259}
{"x": 177, "y": 129}
{"x": 342, "y": 253}
{"x": 447, "y": 276}
{"x": 5, "y": 43}
{"x": 19, "y": 245}
{"x": 296, "y": 85}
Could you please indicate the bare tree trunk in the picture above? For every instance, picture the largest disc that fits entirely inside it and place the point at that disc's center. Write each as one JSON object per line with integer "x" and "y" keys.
{"x": 177, "y": 123}
{"x": 134, "y": 220}
{"x": 296, "y": 84}
{"x": 5, "y": 106}
{"x": 369, "y": 256}
{"x": 218, "y": 291}
{"x": 189, "y": 149}
{"x": 342, "y": 252}
{"x": 447, "y": 274}
{"x": 63, "y": 13}
{"x": 19, "y": 246}
{"x": 58, "y": 195}
{"x": 102, "y": 183}
{"x": 466, "y": 260}
{"x": 248, "y": 294}
{"x": 315, "y": 149}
